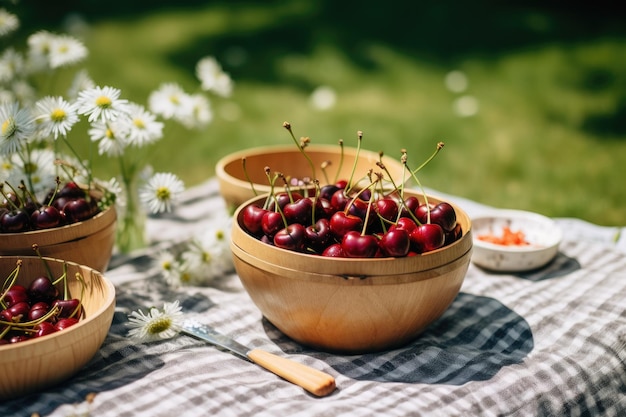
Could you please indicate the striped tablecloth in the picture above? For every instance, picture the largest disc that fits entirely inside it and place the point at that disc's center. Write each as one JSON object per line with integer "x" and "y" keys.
{"x": 549, "y": 343}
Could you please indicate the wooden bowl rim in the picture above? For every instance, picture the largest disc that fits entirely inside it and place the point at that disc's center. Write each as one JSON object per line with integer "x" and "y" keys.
{"x": 221, "y": 167}
{"x": 64, "y": 233}
{"x": 106, "y": 305}
{"x": 345, "y": 265}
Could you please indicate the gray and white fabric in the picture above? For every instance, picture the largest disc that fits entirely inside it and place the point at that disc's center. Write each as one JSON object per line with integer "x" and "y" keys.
{"x": 547, "y": 343}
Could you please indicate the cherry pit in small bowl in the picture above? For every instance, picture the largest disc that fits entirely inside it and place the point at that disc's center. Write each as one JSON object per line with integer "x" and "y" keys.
{"x": 514, "y": 240}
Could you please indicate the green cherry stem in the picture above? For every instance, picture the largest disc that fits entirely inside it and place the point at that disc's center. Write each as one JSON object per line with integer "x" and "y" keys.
{"x": 304, "y": 142}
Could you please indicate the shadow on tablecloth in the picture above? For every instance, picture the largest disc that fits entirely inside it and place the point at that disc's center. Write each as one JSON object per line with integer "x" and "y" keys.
{"x": 472, "y": 341}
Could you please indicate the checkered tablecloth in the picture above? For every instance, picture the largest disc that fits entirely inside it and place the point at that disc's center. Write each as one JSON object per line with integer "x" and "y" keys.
{"x": 549, "y": 343}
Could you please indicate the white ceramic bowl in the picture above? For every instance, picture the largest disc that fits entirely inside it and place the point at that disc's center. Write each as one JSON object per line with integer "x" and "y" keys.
{"x": 542, "y": 234}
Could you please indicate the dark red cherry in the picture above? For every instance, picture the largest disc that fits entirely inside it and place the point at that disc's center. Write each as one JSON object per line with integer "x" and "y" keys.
{"x": 252, "y": 218}
{"x": 42, "y": 289}
{"x": 356, "y": 245}
{"x": 291, "y": 237}
{"x": 272, "y": 222}
{"x": 15, "y": 294}
{"x": 395, "y": 242}
{"x": 38, "y": 310}
{"x": 300, "y": 211}
{"x": 15, "y": 221}
{"x": 427, "y": 237}
{"x": 78, "y": 210}
{"x": 444, "y": 215}
{"x": 318, "y": 235}
{"x": 64, "y": 323}
{"x": 334, "y": 251}
{"x": 68, "y": 308}
{"x": 44, "y": 328}
{"x": 341, "y": 223}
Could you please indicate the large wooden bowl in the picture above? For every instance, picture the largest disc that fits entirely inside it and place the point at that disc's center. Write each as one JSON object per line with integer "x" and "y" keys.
{"x": 235, "y": 188}
{"x": 350, "y": 305}
{"x": 89, "y": 242}
{"x": 46, "y": 361}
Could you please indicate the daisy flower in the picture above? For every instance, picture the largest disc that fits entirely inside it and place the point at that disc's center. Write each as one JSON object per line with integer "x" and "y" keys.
{"x": 11, "y": 64}
{"x": 57, "y": 116}
{"x": 170, "y": 101}
{"x": 200, "y": 113}
{"x": 112, "y": 138}
{"x": 16, "y": 126}
{"x": 157, "y": 324}
{"x": 213, "y": 78}
{"x": 38, "y": 49}
{"x": 8, "y": 22}
{"x": 38, "y": 171}
{"x": 101, "y": 103}
{"x": 143, "y": 127}
{"x": 161, "y": 191}
{"x": 65, "y": 50}
{"x": 82, "y": 81}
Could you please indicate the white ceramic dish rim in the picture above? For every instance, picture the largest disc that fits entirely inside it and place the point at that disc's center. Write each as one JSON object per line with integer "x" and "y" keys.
{"x": 550, "y": 233}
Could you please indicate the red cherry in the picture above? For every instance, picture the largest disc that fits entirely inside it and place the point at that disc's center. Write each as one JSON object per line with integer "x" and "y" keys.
{"x": 387, "y": 208}
{"x": 64, "y": 323}
{"x": 38, "y": 310}
{"x": 15, "y": 294}
{"x": 406, "y": 223}
{"x": 339, "y": 200}
{"x": 252, "y": 218}
{"x": 67, "y": 308}
{"x": 45, "y": 217}
{"x": 395, "y": 242}
{"x": 318, "y": 235}
{"x": 272, "y": 222}
{"x": 42, "y": 289}
{"x": 300, "y": 211}
{"x": 78, "y": 210}
{"x": 341, "y": 223}
{"x": 44, "y": 328}
{"x": 411, "y": 204}
{"x": 427, "y": 237}
{"x": 15, "y": 221}
{"x": 327, "y": 191}
{"x": 444, "y": 215}
{"x": 334, "y": 251}
{"x": 17, "y": 312}
{"x": 356, "y": 245}
{"x": 291, "y": 237}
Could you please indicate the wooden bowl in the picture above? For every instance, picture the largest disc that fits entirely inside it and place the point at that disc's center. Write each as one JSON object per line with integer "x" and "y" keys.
{"x": 541, "y": 233}
{"x": 39, "y": 363}
{"x": 236, "y": 189}
{"x": 350, "y": 305}
{"x": 89, "y": 242}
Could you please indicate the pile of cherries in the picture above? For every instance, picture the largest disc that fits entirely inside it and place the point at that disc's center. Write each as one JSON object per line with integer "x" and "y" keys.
{"x": 36, "y": 310}
{"x": 69, "y": 204}
{"x": 337, "y": 222}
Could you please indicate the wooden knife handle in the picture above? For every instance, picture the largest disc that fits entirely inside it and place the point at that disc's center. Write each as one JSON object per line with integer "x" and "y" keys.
{"x": 316, "y": 382}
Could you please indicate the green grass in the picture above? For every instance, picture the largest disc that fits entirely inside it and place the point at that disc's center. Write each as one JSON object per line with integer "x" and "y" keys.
{"x": 549, "y": 136}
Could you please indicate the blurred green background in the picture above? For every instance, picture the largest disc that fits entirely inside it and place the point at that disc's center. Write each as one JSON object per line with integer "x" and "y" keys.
{"x": 536, "y": 119}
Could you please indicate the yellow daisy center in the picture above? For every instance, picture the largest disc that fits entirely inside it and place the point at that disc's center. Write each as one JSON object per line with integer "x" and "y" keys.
{"x": 58, "y": 115}
{"x": 163, "y": 193}
{"x": 139, "y": 123}
{"x": 159, "y": 325}
{"x": 8, "y": 127}
{"x": 103, "y": 102}
{"x": 109, "y": 134}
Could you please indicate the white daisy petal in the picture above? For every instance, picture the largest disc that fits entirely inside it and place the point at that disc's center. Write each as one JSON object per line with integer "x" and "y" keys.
{"x": 157, "y": 324}
{"x": 161, "y": 192}
{"x": 102, "y": 103}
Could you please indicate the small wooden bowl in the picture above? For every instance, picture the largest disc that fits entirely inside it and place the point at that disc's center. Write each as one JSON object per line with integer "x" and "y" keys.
{"x": 89, "y": 242}
{"x": 46, "y": 361}
{"x": 350, "y": 305}
{"x": 236, "y": 189}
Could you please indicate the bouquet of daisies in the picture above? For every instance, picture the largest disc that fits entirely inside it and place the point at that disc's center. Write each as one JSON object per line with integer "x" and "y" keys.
{"x": 38, "y": 155}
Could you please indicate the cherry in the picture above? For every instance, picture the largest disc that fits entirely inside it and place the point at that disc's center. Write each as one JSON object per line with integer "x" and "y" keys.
{"x": 444, "y": 215}
{"x": 334, "y": 251}
{"x": 44, "y": 328}
{"x": 252, "y": 218}
{"x": 272, "y": 222}
{"x": 427, "y": 237}
{"x": 78, "y": 210}
{"x": 65, "y": 322}
{"x": 15, "y": 221}
{"x": 42, "y": 289}
{"x": 323, "y": 208}
{"x": 67, "y": 307}
{"x": 387, "y": 208}
{"x": 283, "y": 199}
{"x": 406, "y": 223}
{"x": 71, "y": 190}
{"x": 15, "y": 294}
{"x": 341, "y": 223}
{"x": 454, "y": 234}
{"x": 339, "y": 200}
{"x": 357, "y": 245}
{"x": 395, "y": 242}
{"x": 291, "y": 237}
{"x": 328, "y": 190}
{"x": 318, "y": 235}
{"x": 299, "y": 211}
{"x": 19, "y": 338}
{"x": 16, "y": 312}
{"x": 38, "y": 310}
{"x": 341, "y": 184}
{"x": 45, "y": 217}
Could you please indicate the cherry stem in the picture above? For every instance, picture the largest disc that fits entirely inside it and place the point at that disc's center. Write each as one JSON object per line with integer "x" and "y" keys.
{"x": 9, "y": 281}
{"x": 8, "y": 199}
{"x": 325, "y": 165}
{"x": 359, "y": 135}
{"x": 341, "y": 155}
{"x": 45, "y": 264}
{"x": 245, "y": 172}
{"x": 301, "y": 146}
